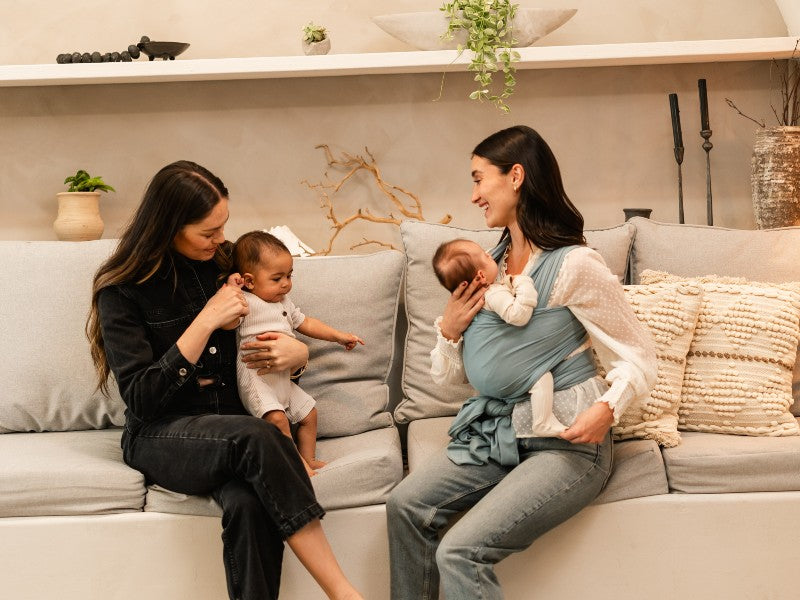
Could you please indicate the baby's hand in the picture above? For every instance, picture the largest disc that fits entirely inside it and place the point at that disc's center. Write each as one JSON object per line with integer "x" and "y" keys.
{"x": 349, "y": 340}
{"x": 236, "y": 280}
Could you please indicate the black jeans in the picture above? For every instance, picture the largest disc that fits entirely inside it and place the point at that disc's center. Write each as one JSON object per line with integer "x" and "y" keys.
{"x": 252, "y": 470}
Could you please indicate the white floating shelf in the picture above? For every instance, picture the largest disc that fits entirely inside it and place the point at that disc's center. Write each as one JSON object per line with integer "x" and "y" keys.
{"x": 378, "y": 63}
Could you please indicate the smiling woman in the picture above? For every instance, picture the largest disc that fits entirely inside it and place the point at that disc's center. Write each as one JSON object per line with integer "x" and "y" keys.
{"x": 200, "y": 241}
{"x": 160, "y": 322}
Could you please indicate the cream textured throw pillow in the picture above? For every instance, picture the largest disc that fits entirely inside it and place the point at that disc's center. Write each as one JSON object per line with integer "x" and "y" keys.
{"x": 738, "y": 376}
{"x": 669, "y": 312}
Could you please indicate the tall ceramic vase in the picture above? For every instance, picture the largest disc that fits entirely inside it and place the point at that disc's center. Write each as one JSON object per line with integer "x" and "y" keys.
{"x": 78, "y": 217}
{"x": 776, "y": 177}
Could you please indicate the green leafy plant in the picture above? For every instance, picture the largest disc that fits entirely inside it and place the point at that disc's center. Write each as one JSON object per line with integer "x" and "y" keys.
{"x": 314, "y": 33}
{"x": 83, "y": 182}
{"x": 487, "y": 24}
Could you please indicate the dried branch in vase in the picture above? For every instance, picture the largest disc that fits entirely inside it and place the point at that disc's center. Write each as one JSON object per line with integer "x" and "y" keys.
{"x": 788, "y": 75}
{"x": 406, "y": 203}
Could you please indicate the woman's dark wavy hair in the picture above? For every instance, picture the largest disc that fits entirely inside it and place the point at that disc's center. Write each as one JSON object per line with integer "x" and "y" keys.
{"x": 545, "y": 214}
{"x": 180, "y": 194}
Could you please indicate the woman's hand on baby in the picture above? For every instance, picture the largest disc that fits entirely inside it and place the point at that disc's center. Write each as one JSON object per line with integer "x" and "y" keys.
{"x": 349, "y": 340}
{"x": 591, "y": 425}
{"x": 462, "y": 306}
{"x": 227, "y": 305}
{"x": 273, "y": 351}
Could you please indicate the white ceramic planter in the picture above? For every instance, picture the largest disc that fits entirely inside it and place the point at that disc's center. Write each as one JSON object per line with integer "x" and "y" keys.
{"x": 790, "y": 9}
{"x": 78, "y": 217}
{"x": 321, "y": 47}
{"x": 424, "y": 30}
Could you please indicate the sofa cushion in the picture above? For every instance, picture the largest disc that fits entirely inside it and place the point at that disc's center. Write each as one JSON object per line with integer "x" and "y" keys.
{"x": 360, "y": 294}
{"x": 708, "y": 463}
{"x": 49, "y": 379}
{"x": 638, "y": 465}
{"x": 425, "y": 298}
{"x": 66, "y": 473}
{"x": 362, "y": 469}
{"x": 669, "y": 312}
{"x": 694, "y": 250}
{"x": 738, "y": 376}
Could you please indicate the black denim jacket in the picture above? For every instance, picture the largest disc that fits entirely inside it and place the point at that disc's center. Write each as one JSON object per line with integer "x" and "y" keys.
{"x": 140, "y": 324}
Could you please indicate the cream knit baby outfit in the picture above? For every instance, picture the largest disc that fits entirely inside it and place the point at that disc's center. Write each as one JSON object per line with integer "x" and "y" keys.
{"x": 271, "y": 391}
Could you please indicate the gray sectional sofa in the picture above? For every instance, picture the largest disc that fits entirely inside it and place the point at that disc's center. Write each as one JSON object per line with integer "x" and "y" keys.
{"x": 711, "y": 517}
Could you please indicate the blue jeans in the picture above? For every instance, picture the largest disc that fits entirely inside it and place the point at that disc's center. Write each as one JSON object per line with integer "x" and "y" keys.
{"x": 251, "y": 469}
{"x": 507, "y": 508}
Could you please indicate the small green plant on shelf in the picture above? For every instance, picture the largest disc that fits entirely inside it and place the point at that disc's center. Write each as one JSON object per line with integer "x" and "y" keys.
{"x": 314, "y": 33}
{"x": 488, "y": 27}
{"x": 83, "y": 182}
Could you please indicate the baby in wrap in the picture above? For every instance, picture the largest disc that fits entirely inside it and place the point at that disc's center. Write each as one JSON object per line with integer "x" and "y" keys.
{"x": 512, "y": 299}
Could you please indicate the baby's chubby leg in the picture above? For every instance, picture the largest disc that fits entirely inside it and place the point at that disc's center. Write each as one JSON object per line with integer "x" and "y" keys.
{"x": 307, "y": 440}
{"x": 544, "y": 422}
{"x": 280, "y": 420}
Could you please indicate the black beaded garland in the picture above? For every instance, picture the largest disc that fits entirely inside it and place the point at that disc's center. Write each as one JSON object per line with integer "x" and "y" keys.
{"x": 133, "y": 52}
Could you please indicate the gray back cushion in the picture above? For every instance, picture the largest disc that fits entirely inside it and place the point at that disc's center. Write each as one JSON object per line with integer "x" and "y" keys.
{"x": 767, "y": 255}
{"x": 359, "y": 294}
{"x": 695, "y": 250}
{"x": 47, "y": 373}
{"x": 425, "y": 299}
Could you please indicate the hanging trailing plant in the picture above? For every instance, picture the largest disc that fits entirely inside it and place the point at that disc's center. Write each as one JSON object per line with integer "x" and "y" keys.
{"x": 488, "y": 28}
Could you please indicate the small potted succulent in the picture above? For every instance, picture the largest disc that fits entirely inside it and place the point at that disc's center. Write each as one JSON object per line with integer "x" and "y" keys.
{"x": 315, "y": 39}
{"x": 79, "y": 208}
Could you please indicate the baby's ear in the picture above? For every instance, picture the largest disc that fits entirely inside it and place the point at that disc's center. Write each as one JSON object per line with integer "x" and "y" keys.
{"x": 481, "y": 276}
{"x": 249, "y": 280}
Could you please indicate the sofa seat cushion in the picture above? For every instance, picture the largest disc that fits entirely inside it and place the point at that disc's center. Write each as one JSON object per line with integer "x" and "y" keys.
{"x": 638, "y": 465}
{"x": 66, "y": 473}
{"x": 362, "y": 469}
{"x": 710, "y": 463}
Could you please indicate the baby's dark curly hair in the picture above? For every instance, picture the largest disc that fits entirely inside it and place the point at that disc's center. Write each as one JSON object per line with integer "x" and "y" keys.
{"x": 249, "y": 248}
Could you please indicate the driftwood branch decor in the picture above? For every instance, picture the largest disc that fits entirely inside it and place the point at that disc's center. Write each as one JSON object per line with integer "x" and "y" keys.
{"x": 407, "y": 204}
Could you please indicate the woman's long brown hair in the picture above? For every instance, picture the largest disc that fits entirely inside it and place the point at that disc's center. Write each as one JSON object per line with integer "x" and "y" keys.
{"x": 545, "y": 214}
{"x": 180, "y": 194}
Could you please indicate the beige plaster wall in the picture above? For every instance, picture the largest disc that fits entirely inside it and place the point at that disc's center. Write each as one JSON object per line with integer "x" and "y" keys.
{"x": 609, "y": 127}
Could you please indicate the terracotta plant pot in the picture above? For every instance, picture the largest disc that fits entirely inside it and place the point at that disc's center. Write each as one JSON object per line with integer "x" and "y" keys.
{"x": 776, "y": 177}
{"x": 78, "y": 217}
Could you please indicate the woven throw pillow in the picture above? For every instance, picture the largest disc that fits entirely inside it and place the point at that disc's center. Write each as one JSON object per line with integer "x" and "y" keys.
{"x": 738, "y": 376}
{"x": 669, "y": 312}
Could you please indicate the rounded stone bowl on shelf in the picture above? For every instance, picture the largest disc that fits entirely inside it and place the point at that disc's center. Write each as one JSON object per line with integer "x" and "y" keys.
{"x": 423, "y": 30}
{"x": 165, "y": 50}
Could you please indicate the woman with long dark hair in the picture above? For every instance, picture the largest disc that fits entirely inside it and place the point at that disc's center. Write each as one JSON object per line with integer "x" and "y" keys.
{"x": 514, "y": 487}
{"x": 156, "y": 323}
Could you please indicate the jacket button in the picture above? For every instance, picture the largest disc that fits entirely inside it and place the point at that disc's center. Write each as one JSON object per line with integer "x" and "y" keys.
{"x": 284, "y": 313}
{"x": 182, "y": 372}
{"x": 212, "y": 350}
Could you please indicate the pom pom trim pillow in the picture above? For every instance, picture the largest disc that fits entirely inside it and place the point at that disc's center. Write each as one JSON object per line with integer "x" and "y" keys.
{"x": 669, "y": 312}
{"x": 738, "y": 376}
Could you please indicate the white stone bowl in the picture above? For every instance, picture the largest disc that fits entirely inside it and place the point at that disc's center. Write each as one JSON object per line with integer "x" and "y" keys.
{"x": 424, "y": 30}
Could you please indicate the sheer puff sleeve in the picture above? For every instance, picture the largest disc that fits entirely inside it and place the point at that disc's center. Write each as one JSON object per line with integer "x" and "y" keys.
{"x": 446, "y": 363}
{"x": 594, "y": 295}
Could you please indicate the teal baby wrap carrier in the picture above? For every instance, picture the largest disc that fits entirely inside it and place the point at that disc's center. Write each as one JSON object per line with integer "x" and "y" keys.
{"x": 502, "y": 362}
